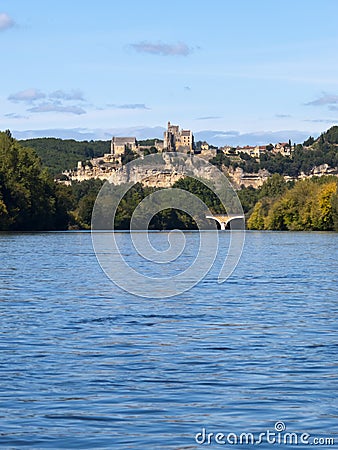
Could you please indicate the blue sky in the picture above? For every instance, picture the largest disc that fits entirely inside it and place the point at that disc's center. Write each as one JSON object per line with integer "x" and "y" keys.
{"x": 250, "y": 68}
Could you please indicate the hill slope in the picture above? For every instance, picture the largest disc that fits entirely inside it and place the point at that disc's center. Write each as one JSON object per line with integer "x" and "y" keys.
{"x": 62, "y": 154}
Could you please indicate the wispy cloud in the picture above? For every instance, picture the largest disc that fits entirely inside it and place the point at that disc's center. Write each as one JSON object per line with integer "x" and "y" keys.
{"x": 75, "y": 94}
{"x": 87, "y": 134}
{"x": 132, "y": 106}
{"x": 235, "y": 138}
{"x": 57, "y": 101}
{"x": 163, "y": 49}
{"x": 325, "y": 99}
{"x": 32, "y": 94}
{"x": 282, "y": 116}
{"x": 320, "y": 120}
{"x": 129, "y": 106}
{"x": 208, "y": 118}
{"x": 57, "y": 107}
{"x": 27, "y": 96}
{"x": 15, "y": 116}
{"x": 5, "y": 22}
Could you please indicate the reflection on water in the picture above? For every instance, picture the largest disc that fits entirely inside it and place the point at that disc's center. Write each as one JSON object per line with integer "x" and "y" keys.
{"x": 85, "y": 365}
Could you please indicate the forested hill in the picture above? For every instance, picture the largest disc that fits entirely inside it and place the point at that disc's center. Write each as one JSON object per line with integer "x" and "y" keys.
{"x": 61, "y": 154}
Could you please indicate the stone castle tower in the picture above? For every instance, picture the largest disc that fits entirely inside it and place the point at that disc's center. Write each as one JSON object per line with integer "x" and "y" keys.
{"x": 176, "y": 140}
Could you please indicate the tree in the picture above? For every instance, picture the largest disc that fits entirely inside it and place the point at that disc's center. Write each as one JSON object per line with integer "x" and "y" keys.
{"x": 65, "y": 204}
{"x": 248, "y": 198}
{"x": 309, "y": 142}
{"x": 307, "y": 206}
{"x": 256, "y": 220}
{"x": 198, "y": 188}
{"x": 27, "y": 193}
{"x": 128, "y": 156}
{"x": 85, "y": 208}
{"x": 310, "y": 204}
{"x": 220, "y": 160}
{"x": 150, "y": 151}
{"x": 322, "y": 211}
{"x": 331, "y": 136}
{"x": 293, "y": 210}
{"x": 334, "y": 204}
{"x": 273, "y": 187}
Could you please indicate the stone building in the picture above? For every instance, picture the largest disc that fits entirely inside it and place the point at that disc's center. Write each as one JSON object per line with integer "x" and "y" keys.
{"x": 283, "y": 148}
{"x": 120, "y": 144}
{"x": 176, "y": 140}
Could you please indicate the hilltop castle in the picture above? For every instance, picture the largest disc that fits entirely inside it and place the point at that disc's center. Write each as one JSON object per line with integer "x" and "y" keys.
{"x": 176, "y": 140}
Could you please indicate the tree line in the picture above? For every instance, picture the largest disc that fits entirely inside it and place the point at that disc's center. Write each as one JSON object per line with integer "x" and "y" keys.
{"x": 310, "y": 204}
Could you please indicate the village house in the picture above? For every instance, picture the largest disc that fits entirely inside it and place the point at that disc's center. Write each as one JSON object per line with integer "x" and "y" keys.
{"x": 254, "y": 152}
{"x": 284, "y": 148}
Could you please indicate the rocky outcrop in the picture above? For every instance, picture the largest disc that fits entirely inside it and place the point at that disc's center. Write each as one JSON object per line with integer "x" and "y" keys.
{"x": 240, "y": 178}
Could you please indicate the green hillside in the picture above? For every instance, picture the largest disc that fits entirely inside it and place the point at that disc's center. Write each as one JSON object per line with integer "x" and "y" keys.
{"x": 61, "y": 154}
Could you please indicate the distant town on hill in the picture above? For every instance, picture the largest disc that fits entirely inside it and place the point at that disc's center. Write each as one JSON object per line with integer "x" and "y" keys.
{"x": 246, "y": 165}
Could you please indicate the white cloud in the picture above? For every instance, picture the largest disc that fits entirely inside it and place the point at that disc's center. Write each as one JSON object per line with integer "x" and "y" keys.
{"x": 82, "y": 134}
{"x": 320, "y": 120}
{"x": 58, "y": 101}
{"x": 129, "y": 106}
{"x": 28, "y": 96}
{"x": 32, "y": 94}
{"x": 15, "y": 116}
{"x": 325, "y": 99}
{"x": 57, "y": 107}
{"x": 159, "y": 48}
{"x": 209, "y": 118}
{"x": 75, "y": 94}
{"x": 5, "y": 22}
{"x": 235, "y": 138}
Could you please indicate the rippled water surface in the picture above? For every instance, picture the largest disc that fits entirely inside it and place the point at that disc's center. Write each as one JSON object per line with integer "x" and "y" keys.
{"x": 85, "y": 365}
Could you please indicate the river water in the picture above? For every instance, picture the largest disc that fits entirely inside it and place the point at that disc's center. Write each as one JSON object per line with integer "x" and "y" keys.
{"x": 85, "y": 365}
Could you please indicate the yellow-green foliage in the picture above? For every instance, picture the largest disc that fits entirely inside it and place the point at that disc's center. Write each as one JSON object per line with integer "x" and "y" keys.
{"x": 322, "y": 218}
{"x": 257, "y": 218}
{"x": 309, "y": 205}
